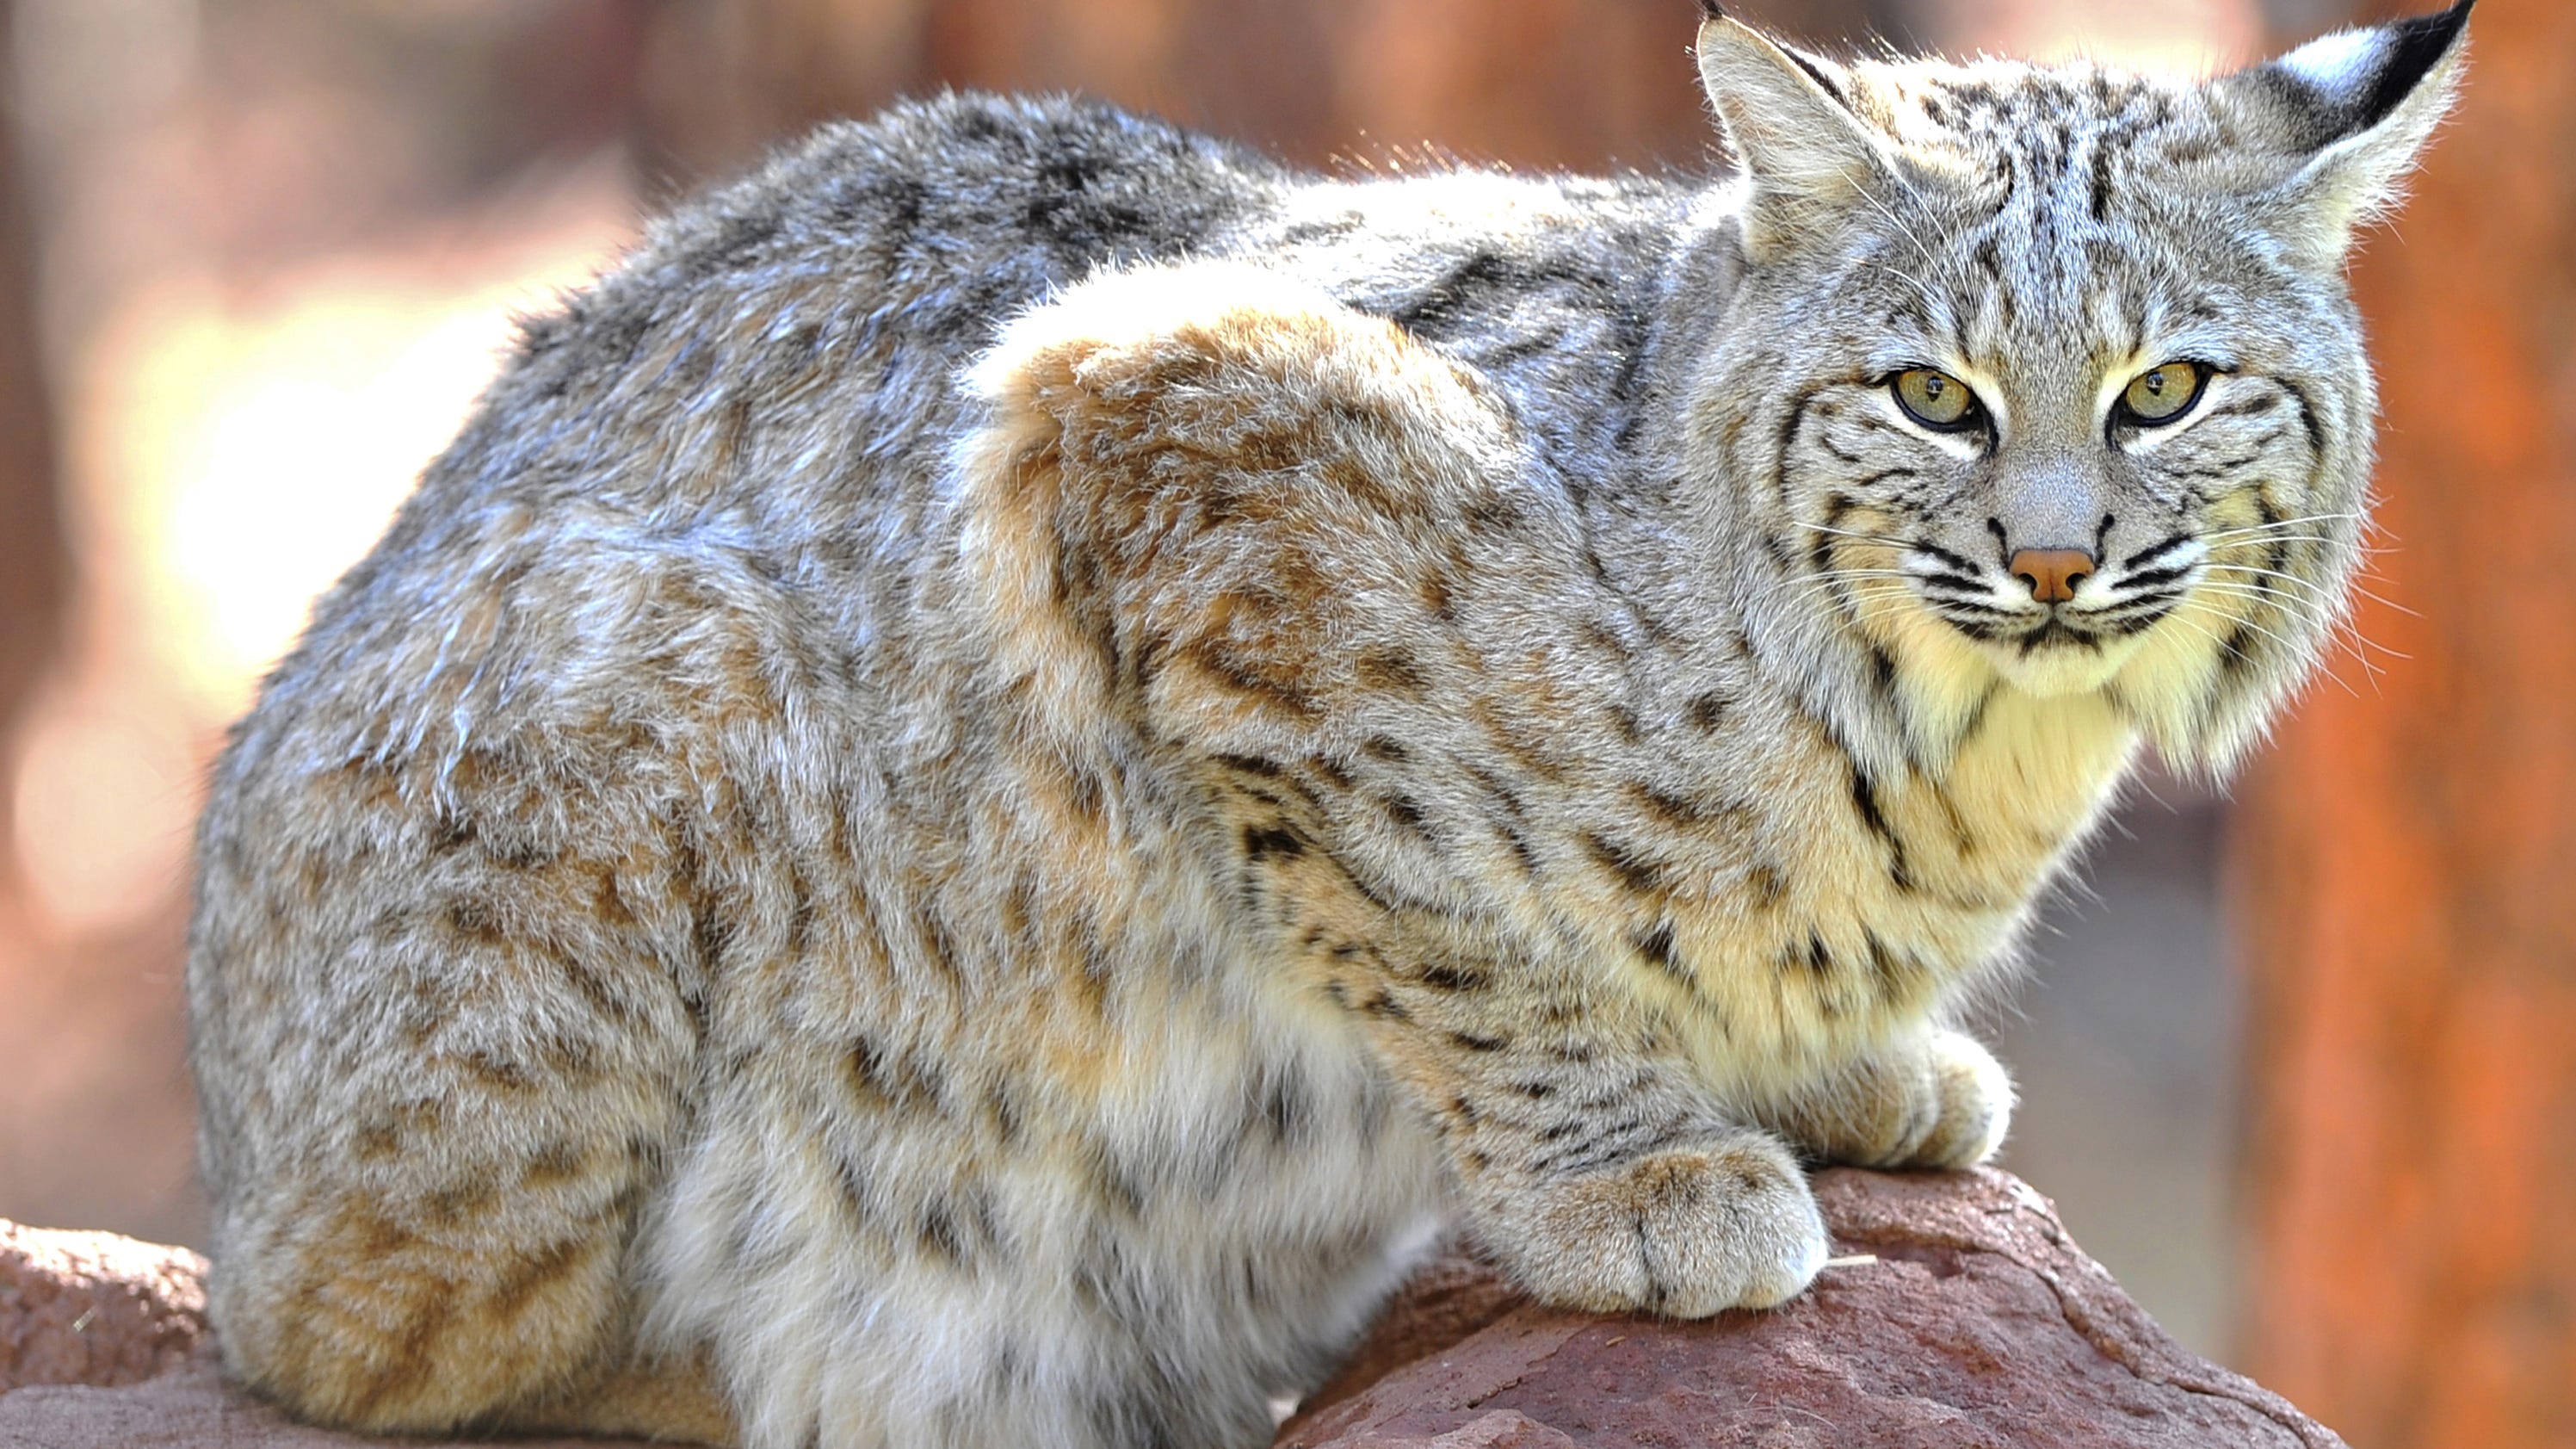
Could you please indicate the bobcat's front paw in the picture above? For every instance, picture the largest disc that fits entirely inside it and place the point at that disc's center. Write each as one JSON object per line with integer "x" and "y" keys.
{"x": 1939, "y": 1100}
{"x": 1971, "y": 1099}
{"x": 1687, "y": 1232}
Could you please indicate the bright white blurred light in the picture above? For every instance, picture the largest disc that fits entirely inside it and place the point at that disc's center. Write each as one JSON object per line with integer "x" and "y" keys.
{"x": 241, "y": 452}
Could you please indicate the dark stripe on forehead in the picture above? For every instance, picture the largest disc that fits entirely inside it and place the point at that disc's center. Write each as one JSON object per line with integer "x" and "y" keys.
{"x": 2102, "y": 179}
{"x": 1988, "y": 257}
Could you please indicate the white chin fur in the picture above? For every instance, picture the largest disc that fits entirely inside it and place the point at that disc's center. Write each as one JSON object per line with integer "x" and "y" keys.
{"x": 2056, "y": 670}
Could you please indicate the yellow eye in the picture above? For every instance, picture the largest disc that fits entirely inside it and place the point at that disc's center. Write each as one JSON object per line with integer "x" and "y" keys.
{"x": 2163, "y": 392}
{"x": 1935, "y": 399}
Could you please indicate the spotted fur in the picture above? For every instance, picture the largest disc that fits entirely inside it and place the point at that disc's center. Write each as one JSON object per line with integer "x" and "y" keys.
{"x": 999, "y": 767}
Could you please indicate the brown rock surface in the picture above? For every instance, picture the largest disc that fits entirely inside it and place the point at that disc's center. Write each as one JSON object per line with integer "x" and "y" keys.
{"x": 94, "y": 1308}
{"x": 1979, "y": 1325}
{"x": 190, "y": 1407}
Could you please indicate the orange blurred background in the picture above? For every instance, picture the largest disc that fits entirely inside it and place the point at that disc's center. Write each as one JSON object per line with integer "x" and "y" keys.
{"x": 258, "y": 256}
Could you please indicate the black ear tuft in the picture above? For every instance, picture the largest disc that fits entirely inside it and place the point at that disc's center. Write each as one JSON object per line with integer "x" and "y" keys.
{"x": 1711, "y": 10}
{"x": 2413, "y": 46}
{"x": 2361, "y": 104}
{"x": 2349, "y": 82}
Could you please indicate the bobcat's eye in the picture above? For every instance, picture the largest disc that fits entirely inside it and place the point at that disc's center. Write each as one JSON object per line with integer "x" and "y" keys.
{"x": 1935, "y": 399}
{"x": 2163, "y": 392}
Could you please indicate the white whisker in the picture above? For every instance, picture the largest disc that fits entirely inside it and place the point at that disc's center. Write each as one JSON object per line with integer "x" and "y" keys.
{"x": 1887, "y": 539}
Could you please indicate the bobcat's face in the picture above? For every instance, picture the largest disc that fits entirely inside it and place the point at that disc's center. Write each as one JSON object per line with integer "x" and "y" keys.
{"x": 2055, "y": 370}
{"x": 2069, "y": 443}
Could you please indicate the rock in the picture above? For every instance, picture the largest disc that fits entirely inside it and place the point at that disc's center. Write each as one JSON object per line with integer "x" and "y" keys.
{"x": 94, "y": 1308}
{"x": 1448, "y": 1299}
{"x": 1977, "y": 1325}
{"x": 191, "y": 1407}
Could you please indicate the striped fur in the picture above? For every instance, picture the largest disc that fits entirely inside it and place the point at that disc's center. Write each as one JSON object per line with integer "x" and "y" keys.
{"x": 1000, "y": 766}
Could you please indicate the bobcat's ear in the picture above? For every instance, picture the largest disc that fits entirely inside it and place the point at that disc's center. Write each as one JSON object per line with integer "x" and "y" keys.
{"x": 1810, "y": 159}
{"x": 2359, "y": 105}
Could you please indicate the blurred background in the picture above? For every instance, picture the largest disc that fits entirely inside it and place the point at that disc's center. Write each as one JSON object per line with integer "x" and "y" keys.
{"x": 2301, "y": 1068}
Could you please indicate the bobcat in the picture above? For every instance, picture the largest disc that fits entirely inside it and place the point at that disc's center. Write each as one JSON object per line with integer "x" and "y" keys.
{"x": 1000, "y": 767}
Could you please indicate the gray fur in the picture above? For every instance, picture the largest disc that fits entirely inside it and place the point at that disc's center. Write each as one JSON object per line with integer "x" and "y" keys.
{"x": 1001, "y": 764}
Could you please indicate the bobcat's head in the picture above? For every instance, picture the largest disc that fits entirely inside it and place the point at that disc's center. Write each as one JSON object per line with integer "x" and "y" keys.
{"x": 2050, "y": 375}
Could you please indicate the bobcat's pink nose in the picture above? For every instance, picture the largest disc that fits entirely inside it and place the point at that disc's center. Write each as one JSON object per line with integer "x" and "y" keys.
{"x": 2052, "y": 573}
